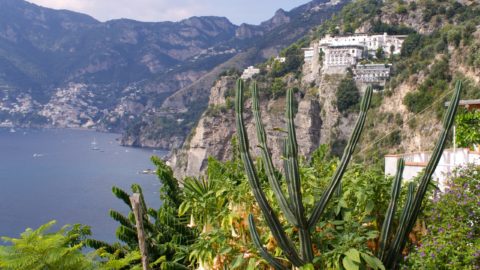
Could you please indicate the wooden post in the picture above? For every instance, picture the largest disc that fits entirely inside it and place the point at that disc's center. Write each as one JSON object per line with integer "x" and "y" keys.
{"x": 137, "y": 211}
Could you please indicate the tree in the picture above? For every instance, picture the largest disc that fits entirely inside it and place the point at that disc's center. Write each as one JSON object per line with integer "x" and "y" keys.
{"x": 39, "y": 250}
{"x": 468, "y": 128}
{"x": 379, "y": 53}
{"x": 410, "y": 44}
{"x": 347, "y": 95}
{"x": 167, "y": 235}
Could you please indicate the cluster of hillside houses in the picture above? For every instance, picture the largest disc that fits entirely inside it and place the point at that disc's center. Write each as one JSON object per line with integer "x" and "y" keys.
{"x": 340, "y": 53}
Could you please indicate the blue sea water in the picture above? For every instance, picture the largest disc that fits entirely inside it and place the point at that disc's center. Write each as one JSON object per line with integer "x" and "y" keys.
{"x": 56, "y": 175}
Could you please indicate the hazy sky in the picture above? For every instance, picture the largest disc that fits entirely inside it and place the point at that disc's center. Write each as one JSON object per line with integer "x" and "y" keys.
{"x": 238, "y": 11}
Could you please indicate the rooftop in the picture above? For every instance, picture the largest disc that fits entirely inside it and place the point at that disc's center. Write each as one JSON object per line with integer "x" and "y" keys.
{"x": 467, "y": 103}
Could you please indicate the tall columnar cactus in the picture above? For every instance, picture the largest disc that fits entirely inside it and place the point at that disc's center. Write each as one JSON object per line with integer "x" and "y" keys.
{"x": 292, "y": 206}
{"x": 412, "y": 208}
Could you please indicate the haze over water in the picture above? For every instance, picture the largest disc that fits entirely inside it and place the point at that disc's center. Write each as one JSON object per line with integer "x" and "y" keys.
{"x": 55, "y": 174}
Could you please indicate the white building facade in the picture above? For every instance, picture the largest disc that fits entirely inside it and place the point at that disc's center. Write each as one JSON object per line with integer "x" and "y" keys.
{"x": 308, "y": 54}
{"x": 342, "y": 55}
{"x": 389, "y": 43}
{"x": 415, "y": 163}
{"x": 249, "y": 72}
{"x": 372, "y": 73}
{"x": 343, "y": 52}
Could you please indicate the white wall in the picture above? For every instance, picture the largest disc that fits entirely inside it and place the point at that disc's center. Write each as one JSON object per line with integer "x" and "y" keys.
{"x": 416, "y": 162}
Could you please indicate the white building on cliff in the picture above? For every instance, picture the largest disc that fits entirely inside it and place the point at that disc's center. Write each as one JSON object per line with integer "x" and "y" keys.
{"x": 371, "y": 43}
{"x": 342, "y": 52}
{"x": 249, "y": 72}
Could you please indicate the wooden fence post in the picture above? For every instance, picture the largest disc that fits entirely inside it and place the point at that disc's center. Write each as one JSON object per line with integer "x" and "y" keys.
{"x": 137, "y": 211}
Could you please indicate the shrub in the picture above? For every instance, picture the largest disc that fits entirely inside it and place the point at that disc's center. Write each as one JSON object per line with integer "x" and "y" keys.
{"x": 453, "y": 226}
{"x": 347, "y": 95}
{"x": 38, "y": 250}
{"x": 468, "y": 128}
{"x": 410, "y": 44}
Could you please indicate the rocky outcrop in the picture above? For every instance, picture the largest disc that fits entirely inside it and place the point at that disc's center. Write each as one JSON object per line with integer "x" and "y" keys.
{"x": 211, "y": 136}
{"x": 317, "y": 121}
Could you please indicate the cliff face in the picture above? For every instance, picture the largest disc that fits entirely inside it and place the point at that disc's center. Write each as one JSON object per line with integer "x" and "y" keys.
{"x": 317, "y": 121}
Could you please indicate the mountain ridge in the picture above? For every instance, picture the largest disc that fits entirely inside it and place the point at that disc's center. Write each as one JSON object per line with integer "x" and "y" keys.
{"x": 115, "y": 75}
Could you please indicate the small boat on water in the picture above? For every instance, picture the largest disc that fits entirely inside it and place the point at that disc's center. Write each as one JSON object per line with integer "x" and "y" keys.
{"x": 94, "y": 145}
{"x": 12, "y": 130}
{"x": 36, "y": 155}
{"x": 148, "y": 171}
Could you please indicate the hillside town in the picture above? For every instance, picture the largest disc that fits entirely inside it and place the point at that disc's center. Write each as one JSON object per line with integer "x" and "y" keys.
{"x": 340, "y": 53}
{"x": 358, "y": 53}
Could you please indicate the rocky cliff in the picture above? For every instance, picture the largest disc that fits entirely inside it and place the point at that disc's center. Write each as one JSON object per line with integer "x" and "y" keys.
{"x": 317, "y": 121}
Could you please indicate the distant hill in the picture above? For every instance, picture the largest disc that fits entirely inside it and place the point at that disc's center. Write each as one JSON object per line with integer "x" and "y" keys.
{"x": 65, "y": 69}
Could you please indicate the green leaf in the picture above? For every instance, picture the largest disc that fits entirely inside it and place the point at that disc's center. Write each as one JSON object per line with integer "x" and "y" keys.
{"x": 338, "y": 222}
{"x": 349, "y": 264}
{"x": 307, "y": 267}
{"x": 372, "y": 261}
{"x": 226, "y": 250}
{"x": 369, "y": 207}
{"x": 343, "y": 203}
{"x": 237, "y": 262}
{"x": 184, "y": 207}
{"x": 353, "y": 255}
{"x": 251, "y": 264}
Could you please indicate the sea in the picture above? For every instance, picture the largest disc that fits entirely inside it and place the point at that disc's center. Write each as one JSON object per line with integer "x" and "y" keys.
{"x": 67, "y": 175}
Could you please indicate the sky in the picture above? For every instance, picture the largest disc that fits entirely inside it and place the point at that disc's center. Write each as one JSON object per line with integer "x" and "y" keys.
{"x": 237, "y": 11}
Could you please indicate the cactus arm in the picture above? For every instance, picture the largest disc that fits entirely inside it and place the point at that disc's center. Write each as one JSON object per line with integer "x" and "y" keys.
{"x": 387, "y": 223}
{"x": 267, "y": 160}
{"x": 306, "y": 250}
{"x": 431, "y": 166}
{"x": 286, "y": 167}
{"x": 390, "y": 258}
{"x": 275, "y": 263}
{"x": 347, "y": 154}
{"x": 271, "y": 219}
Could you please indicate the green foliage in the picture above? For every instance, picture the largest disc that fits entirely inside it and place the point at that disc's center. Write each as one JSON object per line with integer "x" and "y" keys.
{"x": 453, "y": 222}
{"x": 410, "y": 44}
{"x": 347, "y": 95}
{"x": 167, "y": 235}
{"x": 401, "y": 9}
{"x": 116, "y": 262}
{"x": 350, "y": 17}
{"x": 278, "y": 88}
{"x": 380, "y": 27}
{"x": 379, "y": 53}
{"x": 217, "y": 205}
{"x": 435, "y": 84}
{"x": 40, "y": 250}
{"x": 468, "y": 128}
{"x": 293, "y": 61}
